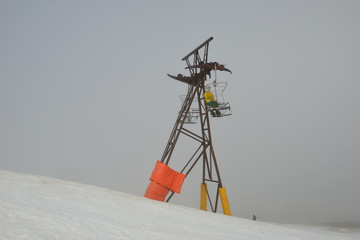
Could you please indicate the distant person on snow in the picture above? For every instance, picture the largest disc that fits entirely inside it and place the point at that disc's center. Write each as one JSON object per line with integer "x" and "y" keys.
{"x": 211, "y": 102}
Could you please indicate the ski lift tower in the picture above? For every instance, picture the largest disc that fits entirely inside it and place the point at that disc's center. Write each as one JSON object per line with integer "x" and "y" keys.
{"x": 163, "y": 178}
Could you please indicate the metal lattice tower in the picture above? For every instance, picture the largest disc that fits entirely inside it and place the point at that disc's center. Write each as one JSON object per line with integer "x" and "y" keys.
{"x": 205, "y": 151}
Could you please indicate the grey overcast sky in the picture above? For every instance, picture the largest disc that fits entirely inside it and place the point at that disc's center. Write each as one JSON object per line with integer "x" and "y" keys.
{"x": 84, "y": 96}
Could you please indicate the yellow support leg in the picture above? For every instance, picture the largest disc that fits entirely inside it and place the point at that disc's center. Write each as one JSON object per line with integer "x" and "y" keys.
{"x": 203, "y": 197}
{"x": 224, "y": 201}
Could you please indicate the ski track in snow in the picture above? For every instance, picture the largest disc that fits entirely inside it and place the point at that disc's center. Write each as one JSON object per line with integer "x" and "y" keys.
{"x": 35, "y": 207}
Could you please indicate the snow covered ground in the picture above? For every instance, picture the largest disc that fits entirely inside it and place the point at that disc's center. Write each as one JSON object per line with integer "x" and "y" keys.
{"x": 34, "y": 207}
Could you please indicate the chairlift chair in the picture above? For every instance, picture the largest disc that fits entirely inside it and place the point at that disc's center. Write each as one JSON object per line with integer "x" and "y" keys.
{"x": 217, "y": 89}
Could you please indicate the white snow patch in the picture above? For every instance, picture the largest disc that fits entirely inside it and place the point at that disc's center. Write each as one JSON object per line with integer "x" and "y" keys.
{"x": 34, "y": 207}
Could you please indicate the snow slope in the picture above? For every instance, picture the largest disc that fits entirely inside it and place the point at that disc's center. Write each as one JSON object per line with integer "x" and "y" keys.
{"x": 34, "y": 207}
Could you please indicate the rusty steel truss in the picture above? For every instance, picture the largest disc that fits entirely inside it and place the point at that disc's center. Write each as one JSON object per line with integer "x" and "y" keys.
{"x": 205, "y": 150}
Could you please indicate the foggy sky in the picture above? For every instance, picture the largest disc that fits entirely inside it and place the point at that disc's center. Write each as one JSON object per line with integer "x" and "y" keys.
{"x": 84, "y": 96}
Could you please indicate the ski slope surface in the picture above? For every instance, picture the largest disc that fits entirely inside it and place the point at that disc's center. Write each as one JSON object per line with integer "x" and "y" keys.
{"x": 34, "y": 207}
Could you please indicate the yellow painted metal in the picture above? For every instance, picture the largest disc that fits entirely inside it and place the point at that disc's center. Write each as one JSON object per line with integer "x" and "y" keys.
{"x": 203, "y": 197}
{"x": 224, "y": 201}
